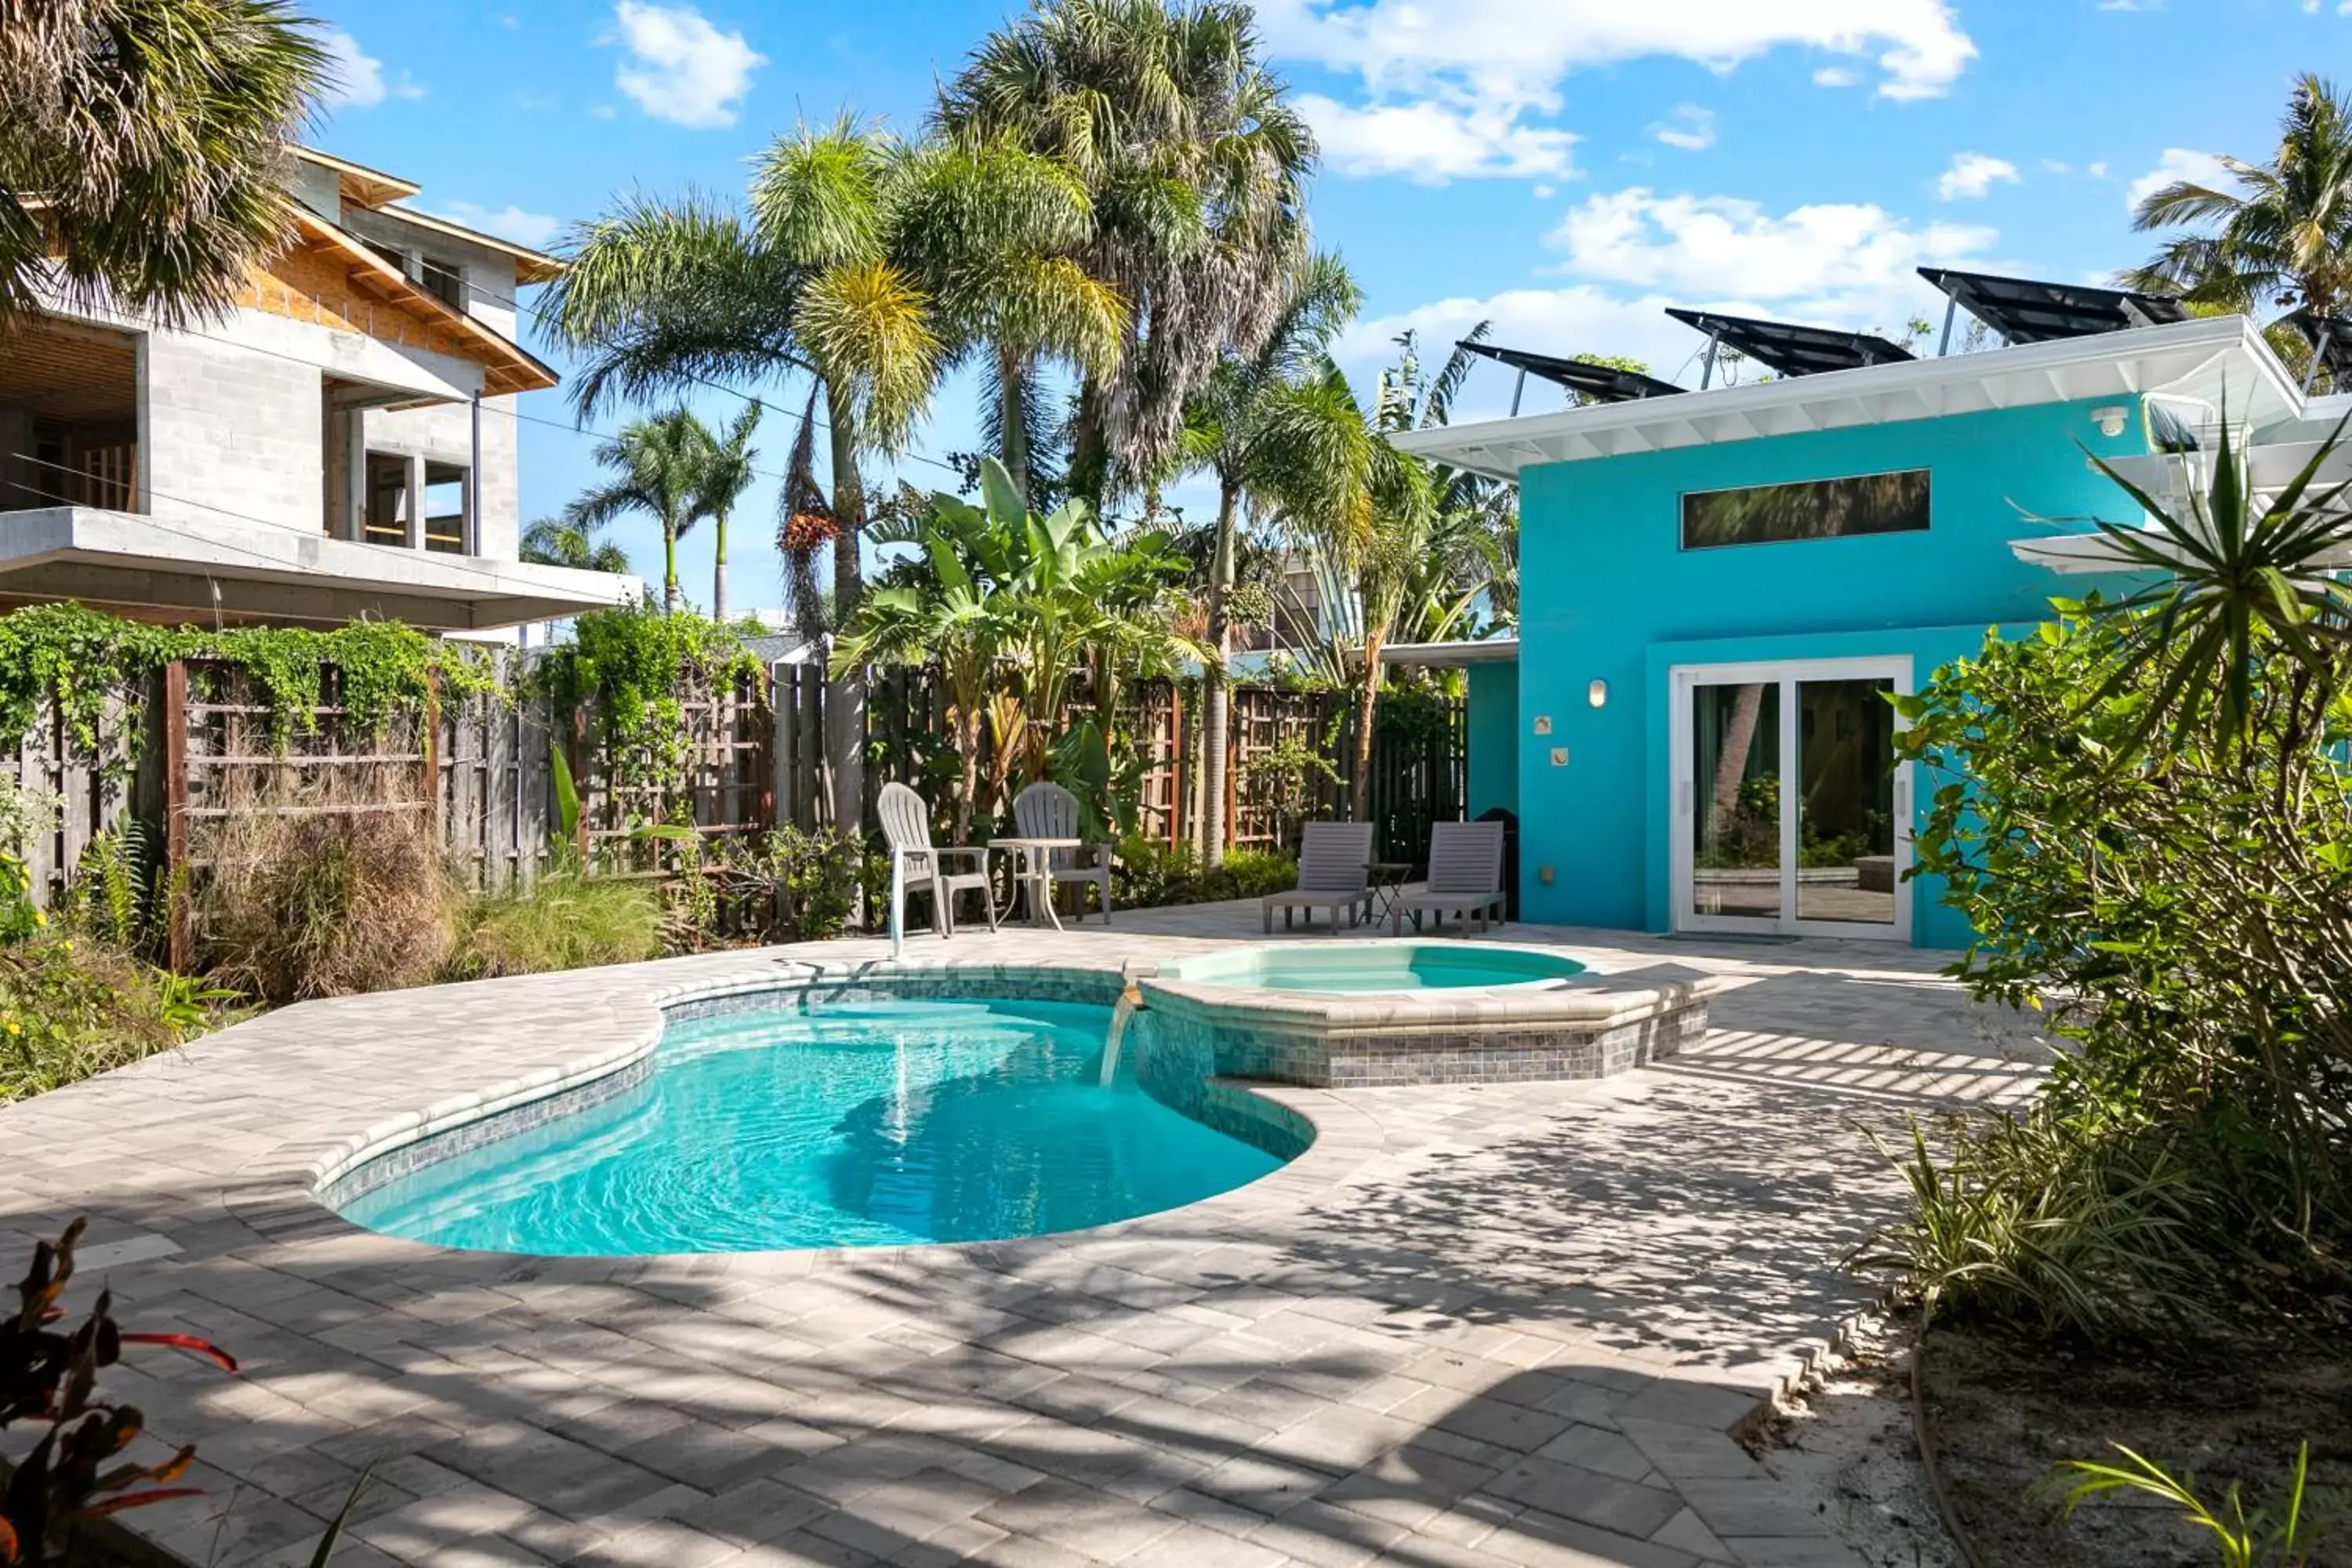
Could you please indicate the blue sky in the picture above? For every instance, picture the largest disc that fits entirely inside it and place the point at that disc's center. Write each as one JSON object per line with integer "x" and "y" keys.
{"x": 1566, "y": 167}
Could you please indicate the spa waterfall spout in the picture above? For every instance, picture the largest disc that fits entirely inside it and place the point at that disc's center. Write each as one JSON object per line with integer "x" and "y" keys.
{"x": 1130, "y": 1002}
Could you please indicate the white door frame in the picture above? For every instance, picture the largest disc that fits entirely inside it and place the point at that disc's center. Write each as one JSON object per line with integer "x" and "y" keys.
{"x": 1683, "y": 678}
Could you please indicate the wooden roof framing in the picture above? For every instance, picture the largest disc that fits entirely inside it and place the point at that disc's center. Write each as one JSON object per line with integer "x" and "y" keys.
{"x": 507, "y": 367}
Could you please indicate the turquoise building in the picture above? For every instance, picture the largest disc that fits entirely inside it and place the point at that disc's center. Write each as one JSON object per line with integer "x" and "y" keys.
{"x": 1718, "y": 588}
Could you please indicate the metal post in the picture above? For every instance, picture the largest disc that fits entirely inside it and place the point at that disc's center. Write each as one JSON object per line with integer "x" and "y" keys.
{"x": 898, "y": 904}
{"x": 1951, "y": 309}
{"x": 2318, "y": 356}
{"x": 1707, "y": 365}
{"x": 473, "y": 543}
{"x": 1517, "y": 387}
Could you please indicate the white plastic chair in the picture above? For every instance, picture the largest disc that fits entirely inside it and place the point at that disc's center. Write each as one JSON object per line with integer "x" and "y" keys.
{"x": 916, "y": 863}
{"x": 1047, "y": 810}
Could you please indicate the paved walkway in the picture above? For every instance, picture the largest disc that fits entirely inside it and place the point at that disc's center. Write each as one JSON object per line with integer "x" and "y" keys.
{"x": 1471, "y": 1325}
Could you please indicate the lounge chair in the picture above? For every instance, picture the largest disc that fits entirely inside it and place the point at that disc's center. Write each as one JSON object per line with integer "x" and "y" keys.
{"x": 1335, "y": 862}
{"x": 1049, "y": 811}
{"x": 918, "y": 864}
{"x": 1465, "y": 876}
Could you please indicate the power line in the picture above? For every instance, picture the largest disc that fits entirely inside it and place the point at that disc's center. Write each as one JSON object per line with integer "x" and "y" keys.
{"x": 517, "y": 306}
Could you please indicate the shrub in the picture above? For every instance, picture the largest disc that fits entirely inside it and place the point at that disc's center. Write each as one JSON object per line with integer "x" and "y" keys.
{"x": 1150, "y": 873}
{"x": 566, "y": 921}
{"x": 71, "y": 1007}
{"x": 2184, "y": 917}
{"x": 311, "y": 892}
{"x": 1252, "y": 874}
{"x": 791, "y": 884}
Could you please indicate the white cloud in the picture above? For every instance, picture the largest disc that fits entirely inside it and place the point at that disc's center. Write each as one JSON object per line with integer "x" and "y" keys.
{"x": 1836, "y": 76}
{"x": 1577, "y": 319}
{"x": 1432, "y": 141}
{"x": 2180, "y": 164}
{"x": 537, "y": 230}
{"x": 1849, "y": 263}
{"x": 1690, "y": 127}
{"x": 356, "y": 78}
{"x": 1973, "y": 175}
{"x": 1484, "y": 74}
{"x": 1630, "y": 254}
{"x": 681, "y": 68}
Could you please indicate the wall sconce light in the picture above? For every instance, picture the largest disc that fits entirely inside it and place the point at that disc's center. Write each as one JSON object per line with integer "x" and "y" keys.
{"x": 1597, "y": 694}
{"x": 2111, "y": 419}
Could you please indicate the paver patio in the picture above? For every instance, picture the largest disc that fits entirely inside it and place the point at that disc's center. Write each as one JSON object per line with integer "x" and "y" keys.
{"x": 1471, "y": 1325}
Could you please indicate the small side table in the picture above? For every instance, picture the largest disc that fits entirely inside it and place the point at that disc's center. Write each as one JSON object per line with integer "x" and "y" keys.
{"x": 1033, "y": 869}
{"x": 1387, "y": 880}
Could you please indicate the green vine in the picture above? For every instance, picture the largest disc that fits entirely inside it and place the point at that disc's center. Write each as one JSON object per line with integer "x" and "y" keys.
{"x": 628, "y": 668}
{"x": 86, "y": 661}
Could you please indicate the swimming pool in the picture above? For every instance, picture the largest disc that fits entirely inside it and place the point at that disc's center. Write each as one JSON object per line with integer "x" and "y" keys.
{"x": 869, "y": 1123}
{"x": 1356, "y": 967}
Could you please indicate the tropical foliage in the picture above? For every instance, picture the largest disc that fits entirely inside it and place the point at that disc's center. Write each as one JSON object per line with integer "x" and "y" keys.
{"x": 869, "y": 263}
{"x": 1224, "y": 435}
{"x": 2279, "y": 241}
{"x": 1032, "y": 606}
{"x": 143, "y": 162}
{"x": 663, "y": 467}
{"x": 1195, "y": 169}
{"x": 569, "y": 542}
{"x": 2148, "y": 819}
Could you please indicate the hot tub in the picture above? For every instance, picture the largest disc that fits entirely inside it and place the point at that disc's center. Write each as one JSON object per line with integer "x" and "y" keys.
{"x": 1374, "y": 968}
{"x": 1337, "y": 1015}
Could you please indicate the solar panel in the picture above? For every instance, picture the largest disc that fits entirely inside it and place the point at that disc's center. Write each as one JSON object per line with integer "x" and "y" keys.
{"x": 2025, "y": 311}
{"x": 2330, "y": 338}
{"x": 1599, "y": 382}
{"x": 1791, "y": 350}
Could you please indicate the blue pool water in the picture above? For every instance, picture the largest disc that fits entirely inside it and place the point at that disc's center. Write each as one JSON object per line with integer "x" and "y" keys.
{"x": 851, "y": 1124}
{"x": 1342, "y": 967}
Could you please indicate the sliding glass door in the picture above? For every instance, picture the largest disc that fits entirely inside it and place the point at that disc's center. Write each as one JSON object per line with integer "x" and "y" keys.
{"x": 1790, "y": 811}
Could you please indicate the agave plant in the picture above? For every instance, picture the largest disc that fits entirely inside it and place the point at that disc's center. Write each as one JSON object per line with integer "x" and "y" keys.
{"x": 2234, "y": 575}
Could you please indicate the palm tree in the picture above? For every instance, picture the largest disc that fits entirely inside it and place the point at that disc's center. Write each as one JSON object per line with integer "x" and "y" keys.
{"x": 564, "y": 541}
{"x": 726, "y": 475}
{"x": 1222, "y": 427}
{"x": 1355, "y": 499}
{"x": 993, "y": 229}
{"x": 660, "y": 464}
{"x": 143, "y": 162}
{"x": 2282, "y": 239}
{"x": 854, "y": 265}
{"x": 1197, "y": 170}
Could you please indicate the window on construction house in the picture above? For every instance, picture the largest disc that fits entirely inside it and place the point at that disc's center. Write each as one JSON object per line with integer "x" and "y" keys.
{"x": 445, "y": 508}
{"x": 386, "y": 518}
{"x": 445, "y": 280}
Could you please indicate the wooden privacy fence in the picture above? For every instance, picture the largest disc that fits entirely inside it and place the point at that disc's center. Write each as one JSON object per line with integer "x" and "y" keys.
{"x": 1419, "y": 756}
{"x": 206, "y": 739}
{"x": 479, "y": 766}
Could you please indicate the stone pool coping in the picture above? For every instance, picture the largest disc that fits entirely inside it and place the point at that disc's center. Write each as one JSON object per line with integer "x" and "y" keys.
{"x": 1582, "y": 1005}
{"x": 535, "y": 1382}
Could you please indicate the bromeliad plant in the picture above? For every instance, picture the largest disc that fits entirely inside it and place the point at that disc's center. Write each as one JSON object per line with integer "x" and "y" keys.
{"x": 48, "y": 1375}
{"x": 2236, "y": 578}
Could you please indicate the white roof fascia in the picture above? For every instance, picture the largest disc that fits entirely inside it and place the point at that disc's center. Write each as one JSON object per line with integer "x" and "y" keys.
{"x": 2204, "y": 358}
{"x": 1482, "y": 650}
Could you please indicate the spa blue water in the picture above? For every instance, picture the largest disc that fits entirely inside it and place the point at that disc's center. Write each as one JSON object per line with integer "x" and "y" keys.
{"x": 1350, "y": 968}
{"x": 853, "y": 1124}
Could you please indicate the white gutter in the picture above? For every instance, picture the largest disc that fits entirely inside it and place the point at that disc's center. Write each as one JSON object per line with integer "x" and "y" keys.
{"x": 2206, "y": 358}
